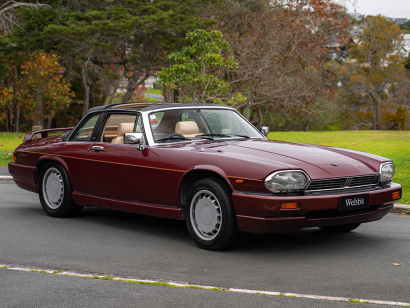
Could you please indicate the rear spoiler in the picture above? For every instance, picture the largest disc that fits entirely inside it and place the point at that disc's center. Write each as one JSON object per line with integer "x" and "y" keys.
{"x": 44, "y": 133}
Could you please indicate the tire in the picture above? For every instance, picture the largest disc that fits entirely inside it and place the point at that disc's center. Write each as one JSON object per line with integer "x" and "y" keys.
{"x": 55, "y": 191}
{"x": 210, "y": 216}
{"x": 340, "y": 228}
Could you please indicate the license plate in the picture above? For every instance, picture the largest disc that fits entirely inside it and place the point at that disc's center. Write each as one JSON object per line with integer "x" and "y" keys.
{"x": 349, "y": 203}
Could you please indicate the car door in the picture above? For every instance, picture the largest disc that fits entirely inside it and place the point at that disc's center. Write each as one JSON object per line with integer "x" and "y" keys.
{"x": 74, "y": 150}
{"x": 121, "y": 171}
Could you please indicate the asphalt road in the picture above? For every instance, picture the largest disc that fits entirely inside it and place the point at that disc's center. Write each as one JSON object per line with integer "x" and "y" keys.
{"x": 359, "y": 264}
{"x": 4, "y": 170}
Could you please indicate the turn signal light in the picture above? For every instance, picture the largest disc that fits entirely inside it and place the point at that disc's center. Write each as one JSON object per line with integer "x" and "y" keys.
{"x": 14, "y": 156}
{"x": 239, "y": 181}
{"x": 396, "y": 195}
{"x": 288, "y": 206}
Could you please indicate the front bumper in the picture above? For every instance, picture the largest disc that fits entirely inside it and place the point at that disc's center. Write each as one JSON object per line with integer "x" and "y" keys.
{"x": 263, "y": 213}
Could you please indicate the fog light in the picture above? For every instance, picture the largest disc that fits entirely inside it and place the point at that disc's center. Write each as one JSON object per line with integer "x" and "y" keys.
{"x": 288, "y": 206}
{"x": 396, "y": 195}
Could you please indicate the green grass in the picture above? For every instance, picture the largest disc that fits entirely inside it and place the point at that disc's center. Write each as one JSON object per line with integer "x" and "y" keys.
{"x": 391, "y": 144}
{"x": 150, "y": 99}
{"x": 154, "y": 91}
{"x": 8, "y": 142}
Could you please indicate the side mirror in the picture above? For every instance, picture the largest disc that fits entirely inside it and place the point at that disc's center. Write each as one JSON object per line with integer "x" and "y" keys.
{"x": 265, "y": 130}
{"x": 133, "y": 138}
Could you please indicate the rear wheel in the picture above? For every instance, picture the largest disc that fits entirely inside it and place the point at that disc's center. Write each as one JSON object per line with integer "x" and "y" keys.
{"x": 55, "y": 191}
{"x": 210, "y": 216}
{"x": 340, "y": 228}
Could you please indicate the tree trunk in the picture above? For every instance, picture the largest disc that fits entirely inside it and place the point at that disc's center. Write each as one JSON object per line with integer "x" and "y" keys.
{"x": 103, "y": 96}
{"x": 260, "y": 117}
{"x": 16, "y": 103}
{"x": 49, "y": 121}
{"x": 167, "y": 94}
{"x": 6, "y": 112}
{"x": 86, "y": 89}
{"x": 375, "y": 115}
{"x": 113, "y": 92}
{"x": 306, "y": 129}
{"x": 92, "y": 97}
{"x": 134, "y": 83}
{"x": 38, "y": 109}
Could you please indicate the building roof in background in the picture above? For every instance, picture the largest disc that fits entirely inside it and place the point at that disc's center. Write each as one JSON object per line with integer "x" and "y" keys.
{"x": 398, "y": 21}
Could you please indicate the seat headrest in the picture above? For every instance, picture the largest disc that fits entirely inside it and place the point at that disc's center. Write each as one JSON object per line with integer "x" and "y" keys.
{"x": 124, "y": 128}
{"x": 186, "y": 128}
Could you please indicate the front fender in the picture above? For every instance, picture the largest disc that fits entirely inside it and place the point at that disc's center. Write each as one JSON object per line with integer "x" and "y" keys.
{"x": 211, "y": 168}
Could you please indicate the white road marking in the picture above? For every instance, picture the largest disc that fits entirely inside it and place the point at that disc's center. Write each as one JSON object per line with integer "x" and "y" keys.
{"x": 171, "y": 283}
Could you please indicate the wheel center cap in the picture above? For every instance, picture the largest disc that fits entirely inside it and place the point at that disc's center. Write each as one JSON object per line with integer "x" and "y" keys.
{"x": 206, "y": 215}
{"x": 54, "y": 189}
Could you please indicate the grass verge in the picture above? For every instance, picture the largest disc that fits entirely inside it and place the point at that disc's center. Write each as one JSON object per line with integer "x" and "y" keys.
{"x": 154, "y": 91}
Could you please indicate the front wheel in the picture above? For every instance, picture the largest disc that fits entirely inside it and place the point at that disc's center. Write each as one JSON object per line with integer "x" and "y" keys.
{"x": 55, "y": 191}
{"x": 210, "y": 216}
{"x": 340, "y": 228}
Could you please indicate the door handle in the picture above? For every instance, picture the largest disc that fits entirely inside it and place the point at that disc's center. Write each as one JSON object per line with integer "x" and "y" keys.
{"x": 97, "y": 148}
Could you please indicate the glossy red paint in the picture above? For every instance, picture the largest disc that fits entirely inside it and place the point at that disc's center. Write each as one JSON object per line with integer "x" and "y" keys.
{"x": 288, "y": 224}
{"x": 132, "y": 207}
{"x": 149, "y": 181}
{"x": 120, "y": 171}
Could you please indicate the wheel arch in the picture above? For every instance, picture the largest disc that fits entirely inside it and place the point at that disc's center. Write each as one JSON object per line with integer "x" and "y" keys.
{"x": 45, "y": 159}
{"x": 197, "y": 173}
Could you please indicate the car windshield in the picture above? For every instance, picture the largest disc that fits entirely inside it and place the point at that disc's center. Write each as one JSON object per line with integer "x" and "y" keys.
{"x": 179, "y": 124}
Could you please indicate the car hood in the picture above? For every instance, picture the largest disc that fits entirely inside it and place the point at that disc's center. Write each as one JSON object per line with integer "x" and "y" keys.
{"x": 318, "y": 162}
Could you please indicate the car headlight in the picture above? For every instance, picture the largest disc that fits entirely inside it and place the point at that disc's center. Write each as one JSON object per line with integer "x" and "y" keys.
{"x": 286, "y": 181}
{"x": 386, "y": 172}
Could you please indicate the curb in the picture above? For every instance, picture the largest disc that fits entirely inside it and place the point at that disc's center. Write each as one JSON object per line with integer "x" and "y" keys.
{"x": 6, "y": 178}
{"x": 400, "y": 208}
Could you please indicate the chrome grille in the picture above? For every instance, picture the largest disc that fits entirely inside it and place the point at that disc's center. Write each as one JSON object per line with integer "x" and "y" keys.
{"x": 364, "y": 180}
{"x": 343, "y": 182}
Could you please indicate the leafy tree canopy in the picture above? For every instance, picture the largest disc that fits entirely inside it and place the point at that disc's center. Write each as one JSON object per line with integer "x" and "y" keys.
{"x": 199, "y": 68}
{"x": 405, "y": 26}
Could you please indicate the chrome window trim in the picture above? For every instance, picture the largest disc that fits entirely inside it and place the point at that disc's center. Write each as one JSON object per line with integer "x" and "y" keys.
{"x": 82, "y": 121}
{"x": 150, "y": 137}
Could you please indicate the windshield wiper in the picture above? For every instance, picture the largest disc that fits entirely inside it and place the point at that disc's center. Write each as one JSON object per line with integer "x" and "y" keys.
{"x": 171, "y": 137}
{"x": 221, "y": 135}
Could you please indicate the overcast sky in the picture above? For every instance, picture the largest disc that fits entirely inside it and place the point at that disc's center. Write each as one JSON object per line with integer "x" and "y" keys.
{"x": 389, "y": 8}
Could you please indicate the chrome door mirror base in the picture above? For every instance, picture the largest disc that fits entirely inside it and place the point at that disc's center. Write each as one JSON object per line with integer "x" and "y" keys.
{"x": 133, "y": 138}
{"x": 265, "y": 130}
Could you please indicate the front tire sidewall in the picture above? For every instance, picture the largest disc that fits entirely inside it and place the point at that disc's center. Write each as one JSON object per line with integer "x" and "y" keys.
{"x": 66, "y": 207}
{"x": 228, "y": 230}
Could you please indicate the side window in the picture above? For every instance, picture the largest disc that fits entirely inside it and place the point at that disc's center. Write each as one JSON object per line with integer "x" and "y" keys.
{"x": 85, "y": 132}
{"x": 116, "y": 126}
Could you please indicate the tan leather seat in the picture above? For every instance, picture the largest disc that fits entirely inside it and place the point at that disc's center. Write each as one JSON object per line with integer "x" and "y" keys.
{"x": 121, "y": 130}
{"x": 187, "y": 128}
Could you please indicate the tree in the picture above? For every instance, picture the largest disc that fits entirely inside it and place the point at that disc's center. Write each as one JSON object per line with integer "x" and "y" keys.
{"x": 405, "y": 26}
{"x": 374, "y": 71}
{"x": 40, "y": 91}
{"x": 100, "y": 42}
{"x": 281, "y": 50}
{"x": 199, "y": 69}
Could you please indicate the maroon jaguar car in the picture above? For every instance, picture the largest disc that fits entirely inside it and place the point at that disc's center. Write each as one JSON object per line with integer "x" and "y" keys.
{"x": 205, "y": 164}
